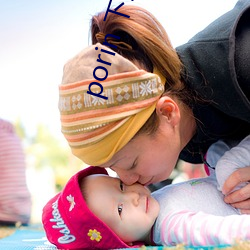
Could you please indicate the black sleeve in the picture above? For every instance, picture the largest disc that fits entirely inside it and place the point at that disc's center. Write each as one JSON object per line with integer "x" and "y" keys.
{"x": 242, "y": 53}
{"x": 217, "y": 66}
{"x": 217, "y": 58}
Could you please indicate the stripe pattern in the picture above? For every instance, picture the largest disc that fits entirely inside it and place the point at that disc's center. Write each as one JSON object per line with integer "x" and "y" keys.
{"x": 15, "y": 200}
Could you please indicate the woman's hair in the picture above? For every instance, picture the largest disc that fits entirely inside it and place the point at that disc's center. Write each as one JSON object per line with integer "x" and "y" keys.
{"x": 144, "y": 41}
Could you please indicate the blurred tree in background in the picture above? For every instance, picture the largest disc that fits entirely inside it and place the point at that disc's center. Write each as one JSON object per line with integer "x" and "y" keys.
{"x": 44, "y": 150}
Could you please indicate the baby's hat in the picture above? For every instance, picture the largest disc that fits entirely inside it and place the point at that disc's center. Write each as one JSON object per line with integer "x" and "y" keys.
{"x": 69, "y": 223}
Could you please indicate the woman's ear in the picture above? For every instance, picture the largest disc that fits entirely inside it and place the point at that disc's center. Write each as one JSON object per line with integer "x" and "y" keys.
{"x": 168, "y": 110}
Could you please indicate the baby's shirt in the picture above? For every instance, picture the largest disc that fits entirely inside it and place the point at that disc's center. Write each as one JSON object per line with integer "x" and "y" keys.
{"x": 194, "y": 212}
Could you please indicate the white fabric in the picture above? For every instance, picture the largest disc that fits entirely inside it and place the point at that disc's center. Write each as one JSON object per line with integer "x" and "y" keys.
{"x": 194, "y": 212}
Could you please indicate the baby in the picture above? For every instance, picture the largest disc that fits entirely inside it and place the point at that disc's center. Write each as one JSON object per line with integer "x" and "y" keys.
{"x": 96, "y": 211}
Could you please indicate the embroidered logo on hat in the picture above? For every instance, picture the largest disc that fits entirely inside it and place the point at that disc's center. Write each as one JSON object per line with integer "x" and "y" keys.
{"x": 70, "y": 198}
{"x": 94, "y": 235}
{"x": 60, "y": 224}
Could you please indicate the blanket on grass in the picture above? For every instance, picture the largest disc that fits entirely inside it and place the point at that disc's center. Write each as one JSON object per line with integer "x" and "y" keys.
{"x": 33, "y": 238}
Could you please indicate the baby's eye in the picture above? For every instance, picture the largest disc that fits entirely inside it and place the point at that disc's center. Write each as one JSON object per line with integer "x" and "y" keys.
{"x": 121, "y": 186}
{"x": 120, "y": 206}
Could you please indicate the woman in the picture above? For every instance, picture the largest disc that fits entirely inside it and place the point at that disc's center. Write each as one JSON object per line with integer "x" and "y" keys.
{"x": 140, "y": 125}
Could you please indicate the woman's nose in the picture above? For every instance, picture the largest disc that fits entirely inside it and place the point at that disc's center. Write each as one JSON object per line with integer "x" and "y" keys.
{"x": 126, "y": 177}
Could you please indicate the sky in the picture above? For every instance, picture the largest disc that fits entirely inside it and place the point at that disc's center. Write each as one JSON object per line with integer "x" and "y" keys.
{"x": 38, "y": 37}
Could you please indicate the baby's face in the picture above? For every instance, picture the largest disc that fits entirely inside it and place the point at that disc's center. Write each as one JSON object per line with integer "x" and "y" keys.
{"x": 130, "y": 211}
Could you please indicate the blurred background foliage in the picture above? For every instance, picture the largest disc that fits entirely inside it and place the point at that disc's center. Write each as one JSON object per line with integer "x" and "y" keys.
{"x": 44, "y": 150}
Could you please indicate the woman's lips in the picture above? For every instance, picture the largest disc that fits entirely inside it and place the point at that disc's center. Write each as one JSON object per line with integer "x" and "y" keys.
{"x": 148, "y": 183}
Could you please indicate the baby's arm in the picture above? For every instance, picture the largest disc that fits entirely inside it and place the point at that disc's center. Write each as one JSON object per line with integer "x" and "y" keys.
{"x": 214, "y": 153}
{"x": 201, "y": 229}
{"x": 237, "y": 157}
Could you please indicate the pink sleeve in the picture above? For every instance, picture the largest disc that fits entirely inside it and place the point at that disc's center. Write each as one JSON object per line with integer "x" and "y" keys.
{"x": 201, "y": 229}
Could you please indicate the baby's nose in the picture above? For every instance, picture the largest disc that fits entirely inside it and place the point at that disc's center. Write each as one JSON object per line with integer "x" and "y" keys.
{"x": 133, "y": 197}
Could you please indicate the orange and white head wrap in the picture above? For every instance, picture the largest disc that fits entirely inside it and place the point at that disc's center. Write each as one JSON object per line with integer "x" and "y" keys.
{"x": 96, "y": 128}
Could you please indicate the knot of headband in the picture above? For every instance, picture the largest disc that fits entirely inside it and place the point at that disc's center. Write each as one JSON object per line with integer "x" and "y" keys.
{"x": 120, "y": 44}
{"x": 97, "y": 128}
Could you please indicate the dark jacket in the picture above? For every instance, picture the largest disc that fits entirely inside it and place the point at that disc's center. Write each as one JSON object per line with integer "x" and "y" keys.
{"x": 217, "y": 67}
